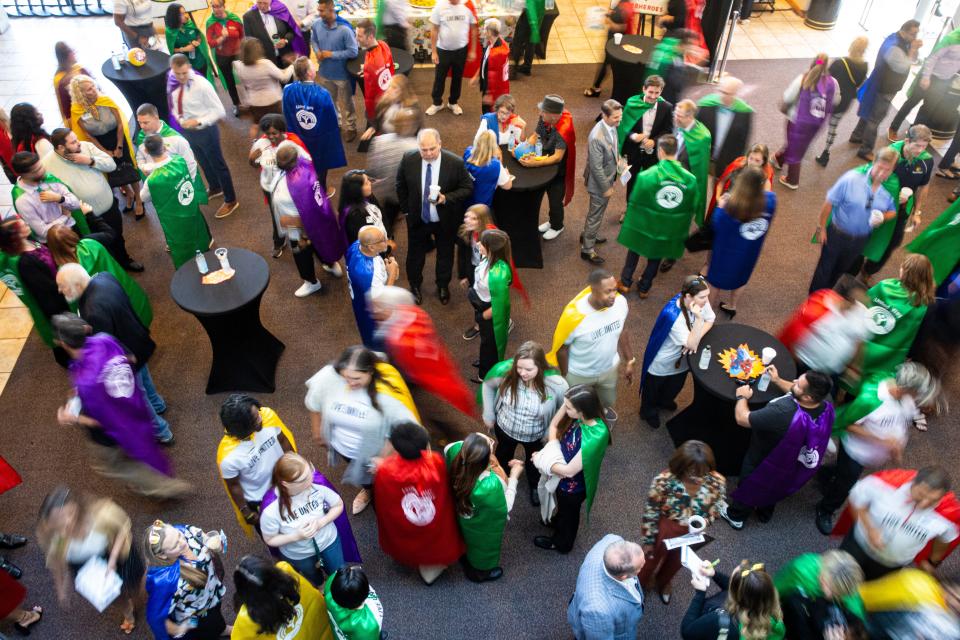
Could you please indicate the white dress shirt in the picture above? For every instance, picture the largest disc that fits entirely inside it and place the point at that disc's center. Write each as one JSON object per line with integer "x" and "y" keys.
{"x": 434, "y": 180}
{"x": 200, "y": 102}
{"x": 303, "y": 11}
{"x": 648, "y": 117}
{"x": 269, "y": 23}
{"x": 173, "y": 145}
{"x": 724, "y": 120}
{"x": 87, "y": 182}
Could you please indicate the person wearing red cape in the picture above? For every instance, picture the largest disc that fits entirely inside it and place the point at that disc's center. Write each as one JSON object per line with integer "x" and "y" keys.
{"x": 556, "y": 133}
{"x": 900, "y": 516}
{"x": 377, "y": 67}
{"x": 415, "y": 513}
{"x": 12, "y": 593}
{"x": 493, "y": 72}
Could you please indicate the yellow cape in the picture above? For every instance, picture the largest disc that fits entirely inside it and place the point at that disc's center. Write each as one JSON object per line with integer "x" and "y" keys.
{"x": 76, "y": 111}
{"x": 903, "y": 589}
{"x": 57, "y": 77}
{"x": 228, "y": 443}
{"x": 310, "y": 623}
{"x": 569, "y": 320}
{"x": 395, "y": 387}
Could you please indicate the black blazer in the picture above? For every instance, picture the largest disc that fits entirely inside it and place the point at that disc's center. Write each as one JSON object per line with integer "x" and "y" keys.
{"x": 106, "y": 307}
{"x": 253, "y": 28}
{"x": 662, "y": 123}
{"x": 738, "y": 136}
{"x": 454, "y": 181}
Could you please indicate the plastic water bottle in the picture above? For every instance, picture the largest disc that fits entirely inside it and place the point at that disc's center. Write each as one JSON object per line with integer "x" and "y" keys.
{"x": 512, "y": 143}
{"x": 115, "y": 61}
{"x": 705, "y": 357}
{"x": 550, "y": 5}
{"x": 539, "y": 148}
{"x": 764, "y": 381}
{"x": 202, "y": 263}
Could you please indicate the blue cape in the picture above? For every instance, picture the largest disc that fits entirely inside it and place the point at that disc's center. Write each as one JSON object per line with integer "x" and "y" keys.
{"x": 360, "y": 275}
{"x": 161, "y": 585}
{"x": 311, "y": 114}
{"x": 491, "y": 120}
{"x": 868, "y": 91}
{"x": 661, "y": 329}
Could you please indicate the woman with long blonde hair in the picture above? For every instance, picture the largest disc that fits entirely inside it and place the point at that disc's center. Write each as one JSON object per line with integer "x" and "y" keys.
{"x": 485, "y": 164}
{"x": 808, "y": 103}
{"x": 97, "y": 118}
{"x": 752, "y": 605}
{"x": 850, "y": 72}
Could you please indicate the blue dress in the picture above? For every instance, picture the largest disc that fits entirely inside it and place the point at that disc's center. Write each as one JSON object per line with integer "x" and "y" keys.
{"x": 484, "y": 180}
{"x": 737, "y": 245}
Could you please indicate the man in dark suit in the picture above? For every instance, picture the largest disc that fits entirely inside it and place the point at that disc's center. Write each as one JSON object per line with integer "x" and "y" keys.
{"x": 648, "y": 117}
{"x": 730, "y": 121}
{"x": 432, "y": 217}
{"x": 273, "y": 33}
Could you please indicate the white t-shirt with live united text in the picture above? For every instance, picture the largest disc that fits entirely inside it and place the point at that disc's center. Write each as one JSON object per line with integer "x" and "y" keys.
{"x": 593, "y": 344}
{"x": 252, "y": 462}
{"x": 305, "y": 506}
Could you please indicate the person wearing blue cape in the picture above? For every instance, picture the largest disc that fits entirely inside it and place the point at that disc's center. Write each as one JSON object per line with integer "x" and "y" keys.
{"x": 368, "y": 272}
{"x": 897, "y": 53}
{"x": 678, "y": 330}
{"x": 310, "y": 113}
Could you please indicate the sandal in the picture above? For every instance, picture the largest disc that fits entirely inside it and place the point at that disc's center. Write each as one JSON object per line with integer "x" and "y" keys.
{"x": 949, "y": 174}
{"x": 127, "y": 626}
{"x": 920, "y": 422}
{"x": 24, "y": 629}
{"x": 361, "y": 501}
{"x": 591, "y": 92}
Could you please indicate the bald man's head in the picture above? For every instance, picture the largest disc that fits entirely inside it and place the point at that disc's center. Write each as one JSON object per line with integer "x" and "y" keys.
{"x": 372, "y": 240}
{"x": 72, "y": 281}
{"x": 729, "y": 88}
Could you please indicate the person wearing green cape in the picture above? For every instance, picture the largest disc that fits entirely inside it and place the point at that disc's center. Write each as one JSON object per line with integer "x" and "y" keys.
{"x": 149, "y": 123}
{"x": 812, "y": 580}
{"x": 66, "y": 246}
{"x": 895, "y": 309}
{"x": 490, "y": 297}
{"x": 913, "y": 171}
{"x": 570, "y": 462}
{"x": 693, "y": 151}
{"x": 183, "y": 36}
{"x": 729, "y": 120}
{"x": 932, "y": 84}
{"x": 637, "y": 135}
{"x": 526, "y": 37}
{"x": 483, "y": 496}
{"x": 170, "y": 189}
{"x": 940, "y": 243}
{"x": 873, "y": 431}
{"x": 751, "y": 609}
{"x": 659, "y": 212}
{"x": 356, "y": 613}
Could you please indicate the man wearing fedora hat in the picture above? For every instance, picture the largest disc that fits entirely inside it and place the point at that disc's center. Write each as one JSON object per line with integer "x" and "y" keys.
{"x": 556, "y": 134}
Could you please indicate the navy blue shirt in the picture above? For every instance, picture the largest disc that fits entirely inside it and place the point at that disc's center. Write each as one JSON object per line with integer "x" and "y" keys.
{"x": 914, "y": 173}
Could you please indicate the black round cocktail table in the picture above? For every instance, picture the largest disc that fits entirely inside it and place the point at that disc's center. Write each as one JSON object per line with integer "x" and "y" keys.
{"x": 517, "y": 210}
{"x": 629, "y": 69}
{"x": 143, "y": 84}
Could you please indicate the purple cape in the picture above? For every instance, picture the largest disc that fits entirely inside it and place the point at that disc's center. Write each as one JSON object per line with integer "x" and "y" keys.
{"x": 280, "y": 12}
{"x": 350, "y": 551}
{"x": 813, "y": 109}
{"x": 318, "y": 217}
{"x": 172, "y": 86}
{"x": 792, "y": 462}
{"x": 108, "y": 389}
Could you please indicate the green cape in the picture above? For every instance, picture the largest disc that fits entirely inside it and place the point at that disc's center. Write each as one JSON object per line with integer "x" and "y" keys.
{"x": 940, "y": 242}
{"x": 895, "y": 322}
{"x": 881, "y": 236}
{"x": 803, "y": 574}
{"x": 865, "y": 402}
{"x": 183, "y": 225}
{"x": 697, "y": 143}
{"x": 713, "y": 100}
{"x": 663, "y": 55}
{"x": 632, "y": 112}
{"x": 10, "y": 276}
{"x": 593, "y": 445}
{"x": 81, "y": 226}
{"x": 483, "y": 530}
{"x": 166, "y": 131}
{"x": 498, "y": 280}
{"x": 187, "y": 33}
{"x": 355, "y": 624}
{"x": 659, "y": 211}
{"x": 95, "y": 258}
{"x": 499, "y": 370}
{"x": 535, "y": 10}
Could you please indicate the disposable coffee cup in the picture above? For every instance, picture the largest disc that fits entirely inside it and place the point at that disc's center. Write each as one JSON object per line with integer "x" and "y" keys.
{"x": 767, "y": 355}
{"x": 696, "y": 524}
{"x": 617, "y": 38}
{"x": 434, "y": 192}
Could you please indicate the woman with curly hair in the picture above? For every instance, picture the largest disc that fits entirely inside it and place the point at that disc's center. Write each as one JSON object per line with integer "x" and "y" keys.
{"x": 26, "y": 130}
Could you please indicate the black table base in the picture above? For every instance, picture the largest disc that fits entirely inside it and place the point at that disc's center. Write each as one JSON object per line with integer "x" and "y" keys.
{"x": 144, "y": 84}
{"x": 518, "y": 214}
{"x": 245, "y": 354}
{"x": 628, "y": 69}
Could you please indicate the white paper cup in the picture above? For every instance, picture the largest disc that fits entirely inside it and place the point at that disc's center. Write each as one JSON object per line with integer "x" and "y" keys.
{"x": 696, "y": 524}
{"x": 617, "y": 38}
{"x": 434, "y": 192}
{"x": 876, "y": 218}
{"x": 767, "y": 355}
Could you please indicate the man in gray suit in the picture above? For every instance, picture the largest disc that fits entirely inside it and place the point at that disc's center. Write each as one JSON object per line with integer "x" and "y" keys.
{"x": 608, "y": 602}
{"x": 604, "y": 164}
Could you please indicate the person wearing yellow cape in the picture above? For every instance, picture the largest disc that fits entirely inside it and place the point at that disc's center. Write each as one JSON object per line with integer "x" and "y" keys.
{"x": 96, "y": 118}
{"x": 911, "y": 603}
{"x": 254, "y": 439}
{"x": 354, "y": 402}
{"x": 67, "y": 67}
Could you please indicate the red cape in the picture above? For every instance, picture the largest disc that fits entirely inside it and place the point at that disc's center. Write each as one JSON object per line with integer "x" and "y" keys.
{"x": 948, "y": 507}
{"x": 813, "y": 308}
{"x": 377, "y": 71}
{"x": 9, "y": 478}
{"x": 498, "y": 72}
{"x": 417, "y": 350}
{"x": 415, "y": 514}
{"x": 565, "y": 127}
{"x": 725, "y": 180}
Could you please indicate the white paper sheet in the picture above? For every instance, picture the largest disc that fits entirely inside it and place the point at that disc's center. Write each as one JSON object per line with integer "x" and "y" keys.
{"x": 690, "y": 559}
{"x": 684, "y": 540}
{"x": 95, "y": 584}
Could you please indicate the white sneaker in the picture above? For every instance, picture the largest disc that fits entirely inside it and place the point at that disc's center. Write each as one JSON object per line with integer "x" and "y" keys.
{"x": 308, "y": 288}
{"x": 333, "y": 269}
{"x": 544, "y": 227}
{"x": 456, "y": 109}
{"x": 552, "y": 233}
{"x": 434, "y": 109}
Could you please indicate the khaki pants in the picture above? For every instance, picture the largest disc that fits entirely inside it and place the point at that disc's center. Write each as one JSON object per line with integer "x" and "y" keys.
{"x": 605, "y": 384}
{"x": 343, "y": 100}
{"x": 113, "y": 463}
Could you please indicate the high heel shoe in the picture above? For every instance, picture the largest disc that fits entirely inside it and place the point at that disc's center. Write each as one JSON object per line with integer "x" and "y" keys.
{"x": 24, "y": 630}
{"x": 730, "y": 313}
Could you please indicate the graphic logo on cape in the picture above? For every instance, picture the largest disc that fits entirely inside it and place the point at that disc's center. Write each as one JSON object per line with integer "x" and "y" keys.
{"x": 880, "y": 320}
{"x": 306, "y": 119}
{"x": 117, "y": 377}
{"x": 754, "y": 229}
{"x": 669, "y": 197}
{"x": 291, "y": 628}
{"x": 383, "y": 80}
{"x": 418, "y": 509}
{"x": 808, "y": 457}
{"x": 818, "y": 107}
{"x": 185, "y": 193}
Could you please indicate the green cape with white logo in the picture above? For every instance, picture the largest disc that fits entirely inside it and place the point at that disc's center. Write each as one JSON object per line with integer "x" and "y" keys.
{"x": 174, "y": 197}
{"x": 940, "y": 242}
{"x": 659, "y": 211}
{"x": 166, "y": 131}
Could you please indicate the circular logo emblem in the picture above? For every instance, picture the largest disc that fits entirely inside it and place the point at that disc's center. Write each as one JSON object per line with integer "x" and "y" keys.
{"x": 669, "y": 197}
{"x": 818, "y": 107}
{"x": 185, "y": 195}
{"x": 117, "y": 378}
{"x": 754, "y": 229}
{"x": 291, "y": 628}
{"x": 809, "y": 458}
{"x": 418, "y": 509}
{"x": 383, "y": 80}
{"x": 506, "y": 72}
{"x": 881, "y": 321}
{"x": 306, "y": 119}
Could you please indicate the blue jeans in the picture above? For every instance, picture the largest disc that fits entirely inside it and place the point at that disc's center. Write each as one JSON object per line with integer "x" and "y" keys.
{"x": 206, "y": 146}
{"x": 161, "y": 428}
{"x": 331, "y": 557}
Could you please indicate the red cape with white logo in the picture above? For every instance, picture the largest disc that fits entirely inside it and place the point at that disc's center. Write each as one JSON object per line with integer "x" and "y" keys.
{"x": 415, "y": 513}
{"x": 377, "y": 71}
{"x": 948, "y": 507}
{"x": 797, "y": 328}
{"x": 498, "y": 71}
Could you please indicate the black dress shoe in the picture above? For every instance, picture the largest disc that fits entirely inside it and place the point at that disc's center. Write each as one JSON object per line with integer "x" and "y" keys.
{"x": 15, "y": 571}
{"x": 669, "y": 406}
{"x": 417, "y": 296}
{"x": 444, "y": 294}
{"x": 545, "y": 542}
{"x": 666, "y": 265}
{"x": 653, "y": 420}
{"x": 824, "y": 522}
{"x": 823, "y": 159}
{"x": 134, "y": 266}
{"x": 524, "y": 70}
{"x": 727, "y": 311}
{"x": 592, "y": 257}
{"x": 534, "y": 497}
{"x": 11, "y": 541}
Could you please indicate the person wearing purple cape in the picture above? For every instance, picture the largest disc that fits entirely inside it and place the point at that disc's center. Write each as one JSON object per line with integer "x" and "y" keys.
{"x": 306, "y": 218}
{"x": 114, "y": 411}
{"x": 788, "y": 440}
{"x": 270, "y": 22}
{"x": 810, "y": 99}
{"x": 311, "y": 114}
